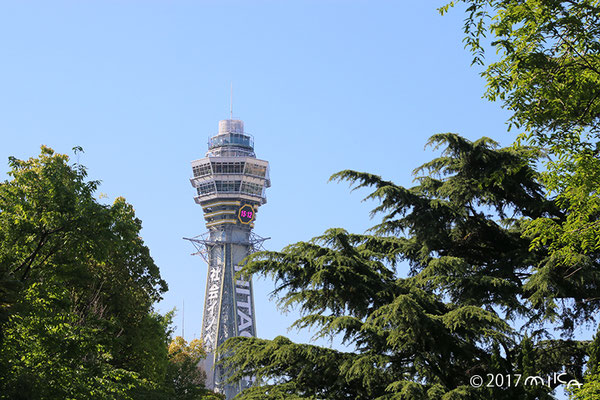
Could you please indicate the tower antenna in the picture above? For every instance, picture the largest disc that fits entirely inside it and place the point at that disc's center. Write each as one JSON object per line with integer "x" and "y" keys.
{"x": 183, "y": 321}
{"x": 231, "y": 102}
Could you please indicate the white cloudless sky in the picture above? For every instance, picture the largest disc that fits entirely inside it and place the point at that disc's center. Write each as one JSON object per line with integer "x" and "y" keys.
{"x": 321, "y": 85}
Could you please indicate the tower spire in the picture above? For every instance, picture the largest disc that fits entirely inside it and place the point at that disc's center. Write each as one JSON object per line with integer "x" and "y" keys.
{"x": 231, "y": 102}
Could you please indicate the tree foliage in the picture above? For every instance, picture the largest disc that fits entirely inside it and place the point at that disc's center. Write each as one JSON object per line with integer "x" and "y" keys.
{"x": 548, "y": 68}
{"x": 77, "y": 288}
{"x": 547, "y": 73}
{"x": 472, "y": 278}
{"x": 185, "y": 376}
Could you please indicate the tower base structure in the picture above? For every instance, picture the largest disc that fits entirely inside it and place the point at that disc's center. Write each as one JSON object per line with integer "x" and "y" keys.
{"x": 229, "y": 300}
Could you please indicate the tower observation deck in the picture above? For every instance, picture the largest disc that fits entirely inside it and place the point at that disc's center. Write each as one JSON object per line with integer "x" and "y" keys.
{"x": 230, "y": 185}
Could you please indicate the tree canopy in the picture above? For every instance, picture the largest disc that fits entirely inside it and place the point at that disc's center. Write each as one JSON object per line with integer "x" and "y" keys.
{"x": 77, "y": 289}
{"x": 547, "y": 73}
{"x": 422, "y": 333}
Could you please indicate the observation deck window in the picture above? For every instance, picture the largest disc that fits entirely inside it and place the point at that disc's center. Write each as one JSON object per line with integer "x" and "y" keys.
{"x": 256, "y": 170}
{"x": 231, "y": 139}
{"x": 201, "y": 170}
{"x": 228, "y": 186}
{"x": 252, "y": 188}
{"x": 235, "y": 167}
{"x": 206, "y": 188}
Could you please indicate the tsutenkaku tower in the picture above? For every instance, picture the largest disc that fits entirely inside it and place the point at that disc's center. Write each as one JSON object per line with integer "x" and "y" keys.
{"x": 230, "y": 185}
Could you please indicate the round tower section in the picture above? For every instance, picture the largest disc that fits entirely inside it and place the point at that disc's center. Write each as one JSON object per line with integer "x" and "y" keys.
{"x": 230, "y": 181}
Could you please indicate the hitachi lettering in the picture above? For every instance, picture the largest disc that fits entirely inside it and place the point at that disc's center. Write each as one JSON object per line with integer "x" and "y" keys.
{"x": 244, "y": 306}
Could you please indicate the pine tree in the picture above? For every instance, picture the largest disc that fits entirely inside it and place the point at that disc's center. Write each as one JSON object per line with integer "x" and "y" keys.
{"x": 424, "y": 334}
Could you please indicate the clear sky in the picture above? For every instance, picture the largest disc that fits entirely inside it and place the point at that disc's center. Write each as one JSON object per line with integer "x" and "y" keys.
{"x": 322, "y": 85}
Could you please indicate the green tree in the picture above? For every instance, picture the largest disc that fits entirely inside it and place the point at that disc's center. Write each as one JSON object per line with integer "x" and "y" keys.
{"x": 77, "y": 288}
{"x": 547, "y": 69}
{"x": 547, "y": 73}
{"x": 422, "y": 336}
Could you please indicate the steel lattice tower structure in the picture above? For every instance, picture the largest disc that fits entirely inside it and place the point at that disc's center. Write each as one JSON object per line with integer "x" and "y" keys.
{"x": 230, "y": 183}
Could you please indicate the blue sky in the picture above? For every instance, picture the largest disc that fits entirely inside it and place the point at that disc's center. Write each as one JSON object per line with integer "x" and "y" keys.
{"x": 322, "y": 85}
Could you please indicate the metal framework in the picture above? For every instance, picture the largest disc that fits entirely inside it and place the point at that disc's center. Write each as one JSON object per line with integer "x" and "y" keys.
{"x": 203, "y": 244}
